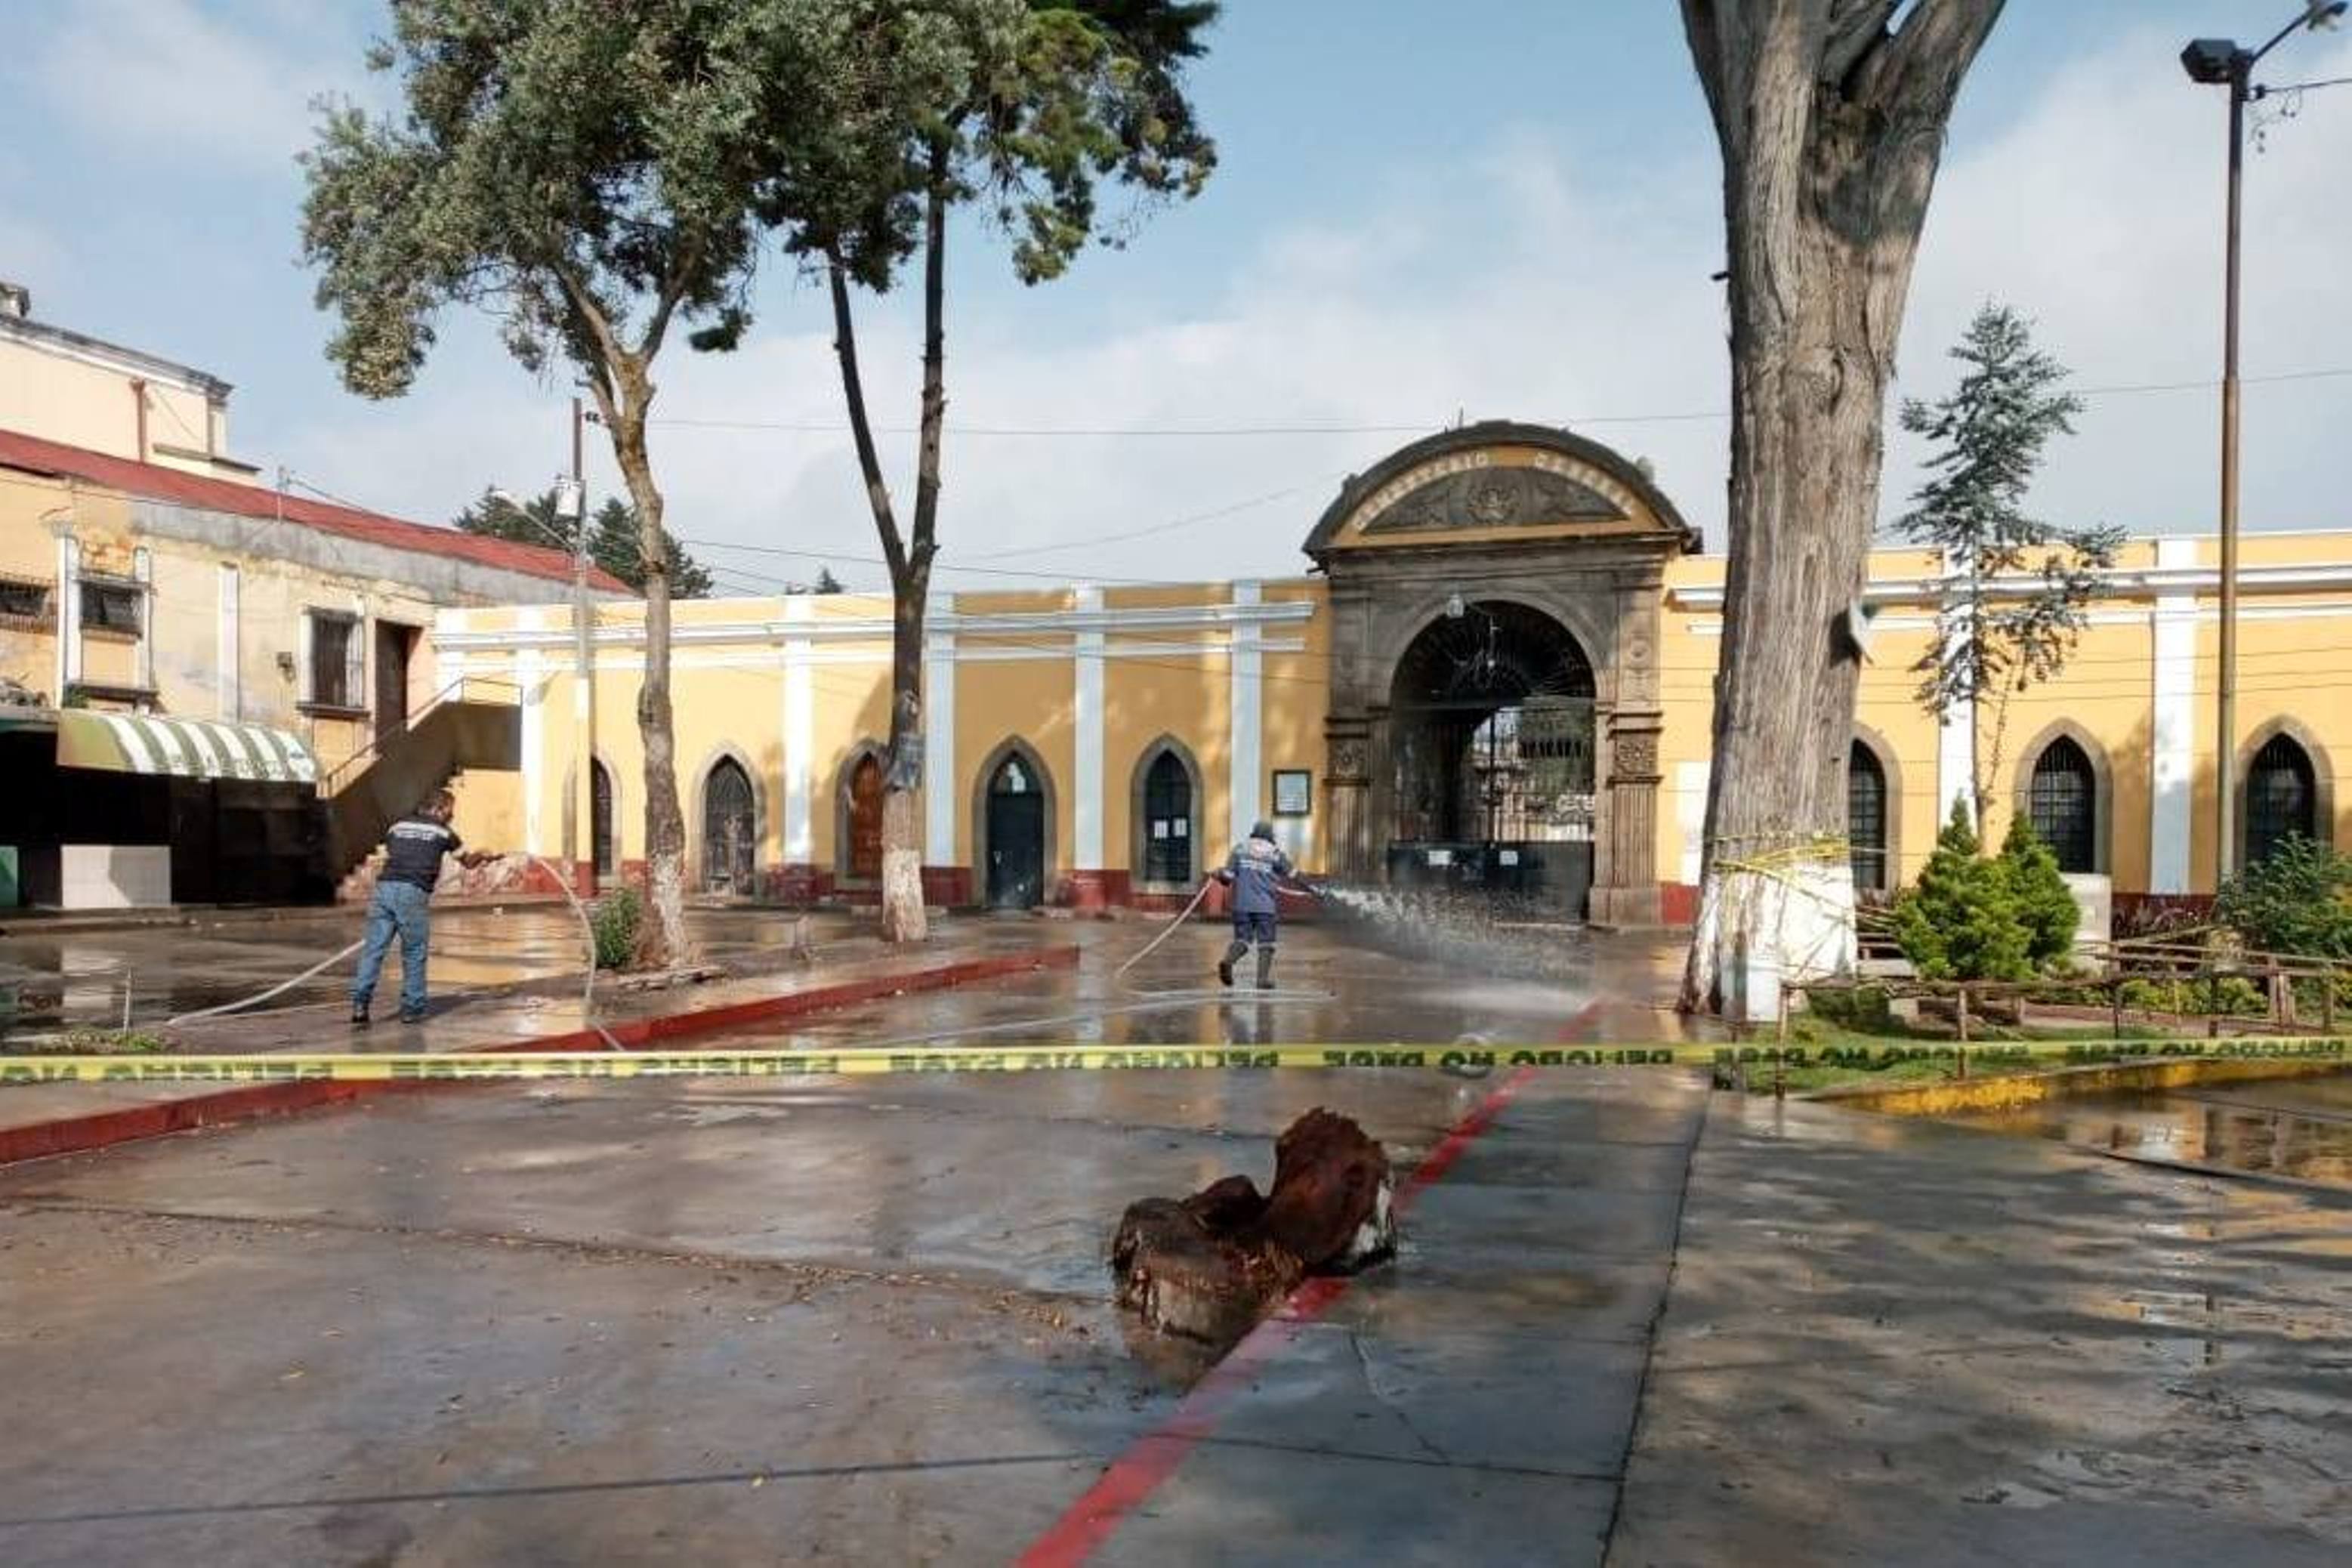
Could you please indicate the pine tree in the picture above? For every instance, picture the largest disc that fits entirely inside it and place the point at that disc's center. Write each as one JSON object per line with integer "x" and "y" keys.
{"x": 2039, "y": 892}
{"x": 1994, "y": 640}
{"x": 614, "y": 540}
{"x": 1960, "y": 919}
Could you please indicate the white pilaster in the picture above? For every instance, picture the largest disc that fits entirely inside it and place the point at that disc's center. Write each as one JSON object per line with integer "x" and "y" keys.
{"x": 939, "y": 739}
{"x": 143, "y": 571}
{"x": 1086, "y": 807}
{"x": 1245, "y": 708}
{"x": 530, "y": 675}
{"x": 69, "y": 616}
{"x": 1690, "y": 817}
{"x": 1956, "y": 741}
{"x": 228, "y": 673}
{"x": 800, "y": 736}
{"x": 2172, "y": 743}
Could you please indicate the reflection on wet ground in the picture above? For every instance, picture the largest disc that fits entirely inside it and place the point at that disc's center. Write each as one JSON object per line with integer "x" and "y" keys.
{"x": 1333, "y": 985}
{"x": 2290, "y": 1127}
{"x": 138, "y": 976}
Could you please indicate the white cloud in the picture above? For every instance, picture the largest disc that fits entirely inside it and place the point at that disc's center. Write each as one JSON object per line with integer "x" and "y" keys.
{"x": 1518, "y": 284}
{"x": 182, "y": 86}
{"x": 2098, "y": 212}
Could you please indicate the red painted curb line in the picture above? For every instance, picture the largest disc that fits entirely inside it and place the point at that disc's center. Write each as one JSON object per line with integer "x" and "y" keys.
{"x": 103, "y": 1129}
{"x": 1151, "y": 1458}
{"x": 819, "y": 999}
{"x": 100, "y": 1130}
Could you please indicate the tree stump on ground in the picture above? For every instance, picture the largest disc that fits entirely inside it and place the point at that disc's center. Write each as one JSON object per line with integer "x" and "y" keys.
{"x": 1210, "y": 1265}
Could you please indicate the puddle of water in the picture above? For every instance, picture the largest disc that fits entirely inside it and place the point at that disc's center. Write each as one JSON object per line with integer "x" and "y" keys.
{"x": 2290, "y": 1128}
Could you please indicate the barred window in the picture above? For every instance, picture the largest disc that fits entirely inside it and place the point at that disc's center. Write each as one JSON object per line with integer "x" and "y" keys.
{"x": 112, "y": 606}
{"x": 2062, "y": 803}
{"x": 2281, "y": 797}
{"x": 1865, "y": 816}
{"x": 335, "y": 669}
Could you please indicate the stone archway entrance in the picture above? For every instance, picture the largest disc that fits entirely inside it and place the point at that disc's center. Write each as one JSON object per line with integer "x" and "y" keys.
{"x": 1497, "y": 598}
{"x": 1491, "y": 725}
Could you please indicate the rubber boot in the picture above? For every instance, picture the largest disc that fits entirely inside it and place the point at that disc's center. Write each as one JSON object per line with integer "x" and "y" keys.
{"x": 1232, "y": 956}
{"x": 1266, "y": 967}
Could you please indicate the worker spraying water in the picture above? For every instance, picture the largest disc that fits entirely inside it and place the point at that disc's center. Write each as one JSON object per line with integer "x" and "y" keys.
{"x": 1256, "y": 871}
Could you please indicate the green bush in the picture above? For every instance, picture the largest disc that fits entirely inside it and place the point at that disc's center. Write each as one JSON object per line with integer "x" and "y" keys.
{"x": 1861, "y": 1008}
{"x": 2041, "y": 899}
{"x": 2227, "y": 995}
{"x": 2297, "y": 901}
{"x": 617, "y": 918}
{"x": 1960, "y": 921}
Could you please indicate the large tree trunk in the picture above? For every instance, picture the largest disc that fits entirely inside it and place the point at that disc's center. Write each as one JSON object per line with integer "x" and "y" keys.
{"x": 1830, "y": 128}
{"x": 903, "y": 916}
{"x": 909, "y": 560}
{"x": 666, "y": 944}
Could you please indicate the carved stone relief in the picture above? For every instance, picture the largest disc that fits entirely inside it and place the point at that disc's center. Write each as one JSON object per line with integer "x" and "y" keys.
{"x": 1494, "y": 497}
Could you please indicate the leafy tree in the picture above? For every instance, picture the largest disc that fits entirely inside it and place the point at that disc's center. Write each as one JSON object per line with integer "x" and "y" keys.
{"x": 588, "y": 172}
{"x": 1959, "y": 921}
{"x": 1994, "y": 640}
{"x": 615, "y": 538}
{"x": 2039, "y": 894}
{"x": 1020, "y": 109}
{"x": 2297, "y": 900}
{"x": 1830, "y": 115}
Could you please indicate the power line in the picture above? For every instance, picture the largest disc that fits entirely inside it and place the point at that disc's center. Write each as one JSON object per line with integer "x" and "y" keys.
{"x": 1228, "y": 432}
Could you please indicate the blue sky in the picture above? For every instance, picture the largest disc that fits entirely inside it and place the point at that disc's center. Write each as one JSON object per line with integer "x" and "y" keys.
{"x": 1485, "y": 208}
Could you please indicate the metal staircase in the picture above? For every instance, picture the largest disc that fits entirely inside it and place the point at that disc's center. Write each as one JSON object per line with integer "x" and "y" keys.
{"x": 470, "y": 723}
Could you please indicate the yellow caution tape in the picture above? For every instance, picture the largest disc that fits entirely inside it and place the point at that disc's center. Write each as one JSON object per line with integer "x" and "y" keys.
{"x": 455, "y": 1065}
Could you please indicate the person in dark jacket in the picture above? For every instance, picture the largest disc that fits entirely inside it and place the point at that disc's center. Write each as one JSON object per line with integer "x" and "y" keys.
{"x": 412, "y": 848}
{"x": 1255, "y": 870}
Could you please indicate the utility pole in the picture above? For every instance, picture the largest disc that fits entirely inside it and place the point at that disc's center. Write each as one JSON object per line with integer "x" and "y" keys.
{"x": 583, "y": 698}
{"x": 2216, "y": 62}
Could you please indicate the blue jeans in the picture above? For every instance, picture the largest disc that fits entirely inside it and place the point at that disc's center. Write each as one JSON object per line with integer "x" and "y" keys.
{"x": 405, "y": 908}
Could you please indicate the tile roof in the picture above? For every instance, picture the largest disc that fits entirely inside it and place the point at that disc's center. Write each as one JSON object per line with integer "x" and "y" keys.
{"x": 155, "y": 482}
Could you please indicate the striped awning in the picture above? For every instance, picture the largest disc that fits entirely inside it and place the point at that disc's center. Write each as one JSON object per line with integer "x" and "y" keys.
{"x": 190, "y": 748}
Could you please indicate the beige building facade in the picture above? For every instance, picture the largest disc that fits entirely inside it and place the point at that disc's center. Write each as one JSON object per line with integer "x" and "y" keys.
{"x": 1498, "y": 677}
{"x": 170, "y": 591}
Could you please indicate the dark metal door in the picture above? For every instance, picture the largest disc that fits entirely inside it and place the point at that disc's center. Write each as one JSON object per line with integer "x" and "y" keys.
{"x": 1168, "y": 822}
{"x": 600, "y": 783}
{"x": 1016, "y": 839}
{"x": 730, "y": 830}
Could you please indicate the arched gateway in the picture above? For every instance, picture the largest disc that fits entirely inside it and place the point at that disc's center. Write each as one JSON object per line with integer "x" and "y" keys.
{"x": 1495, "y": 708}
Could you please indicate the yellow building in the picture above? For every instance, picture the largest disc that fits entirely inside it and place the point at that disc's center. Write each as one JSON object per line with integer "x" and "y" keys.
{"x": 161, "y": 620}
{"x": 1498, "y": 675}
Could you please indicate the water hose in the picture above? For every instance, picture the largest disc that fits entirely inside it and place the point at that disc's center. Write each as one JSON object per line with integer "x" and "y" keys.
{"x": 587, "y": 992}
{"x": 259, "y": 996}
{"x": 1182, "y": 916}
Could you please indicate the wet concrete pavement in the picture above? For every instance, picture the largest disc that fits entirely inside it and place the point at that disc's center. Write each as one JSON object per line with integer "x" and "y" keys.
{"x": 77, "y": 977}
{"x": 1895, "y": 1341}
{"x": 869, "y": 1319}
{"x": 864, "y": 1320}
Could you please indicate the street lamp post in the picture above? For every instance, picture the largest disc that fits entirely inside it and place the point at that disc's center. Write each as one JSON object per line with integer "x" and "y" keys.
{"x": 2221, "y": 62}
{"x": 583, "y": 697}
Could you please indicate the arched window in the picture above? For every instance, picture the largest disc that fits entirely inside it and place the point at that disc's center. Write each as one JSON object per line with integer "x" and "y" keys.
{"x": 1167, "y": 821}
{"x": 2061, "y": 803}
{"x": 730, "y": 833}
{"x": 607, "y": 846}
{"x": 1865, "y": 816}
{"x": 2281, "y": 797}
{"x": 865, "y": 819}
